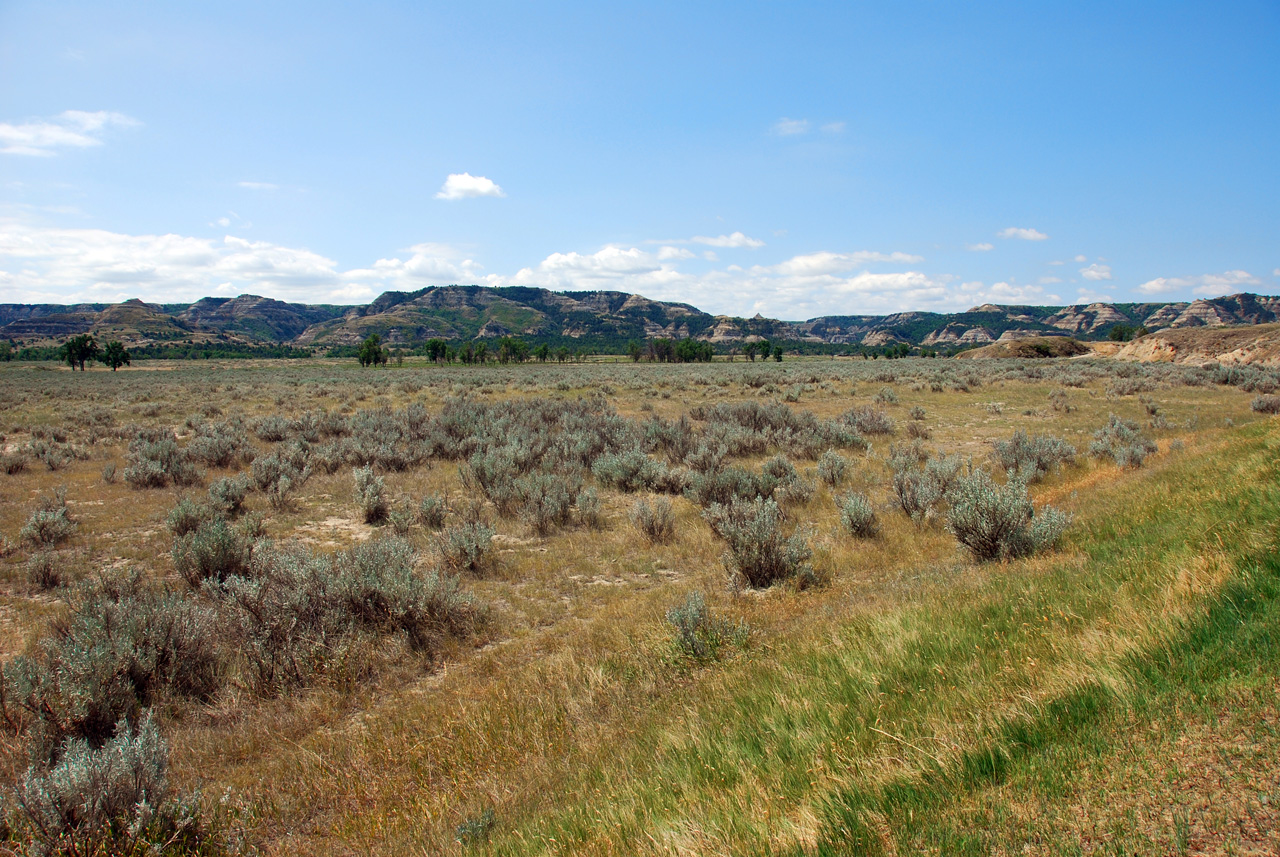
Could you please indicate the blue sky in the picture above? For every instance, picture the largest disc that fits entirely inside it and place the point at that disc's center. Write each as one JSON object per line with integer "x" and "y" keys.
{"x": 790, "y": 159}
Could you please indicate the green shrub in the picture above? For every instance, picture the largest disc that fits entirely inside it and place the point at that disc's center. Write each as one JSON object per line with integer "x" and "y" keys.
{"x": 370, "y": 495}
{"x": 124, "y": 646}
{"x": 282, "y": 473}
{"x": 590, "y": 511}
{"x": 998, "y": 521}
{"x": 44, "y": 570}
{"x": 1031, "y": 457}
{"x": 858, "y": 516}
{"x": 1265, "y": 404}
{"x": 701, "y": 635}
{"x": 547, "y": 499}
{"x": 1121, "y": 441}
{"x": 432, "y": 511}
{"x": 885, "y": 396}
{"x": 655, "y": 520}
{"x": 188, "y": 516}
{"x": 383, "y": 592}
{"x": 50, "y": 523}
{"x": 760, "y": 554}
{"x": 214, "y": 550}
{"x": 228, "y": 494}
{"x": 465, "y": 546}
{"x": 301, "y": 614}
{"x": 114, "y": 799}
{"x": 627, "y": 471}
{"x": 154, "y": 460}
{"x": 14, "y": 462}
{"x": 868, "y": 420}
{"x": 220, "y": 444}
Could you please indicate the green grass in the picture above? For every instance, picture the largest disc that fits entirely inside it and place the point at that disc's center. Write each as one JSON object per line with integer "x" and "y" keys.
{"x": 872, "y": 728}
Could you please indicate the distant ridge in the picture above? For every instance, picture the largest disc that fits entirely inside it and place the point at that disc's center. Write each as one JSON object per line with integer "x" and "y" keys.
{"x": 600, "y": 319}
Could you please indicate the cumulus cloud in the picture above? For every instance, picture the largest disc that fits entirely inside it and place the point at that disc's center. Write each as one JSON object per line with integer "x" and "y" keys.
{"x": 737, "y": 239}
{"x": 466, "y": 186}
{"x": 1081, "y": 258}
{"x": 69, "y": 265}
{"x": 1096, "y": 272}
{"x": 71, "y": 129}
{"x": 1206, "y": 285}
{"x": 258, "y": 185}
{"x": 826, "y": 262}
{"x": 785, "y": 127}
{"x": 1022, "y": 234}
{"x": 54, "y": 264}
{"x": 980, "y": 248}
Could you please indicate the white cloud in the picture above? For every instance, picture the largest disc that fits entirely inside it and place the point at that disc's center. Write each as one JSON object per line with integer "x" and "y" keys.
{"x": 737, "y": 239}
{"x": 825, "y": 262}
{"x": 1276, "y": 272}
{"x": 1057, "y": 262}
{"x": 710, "y": 256}
{"x": 668, "y": 252}
{"x": 1022, "y": 234}
{"x": 980, "y": 248}
{"x": 833, "y": 128}
{"x": 785, "y": 127}
{"x": 258, "y": 185}
{"x": 466, "y": 186}
{"x": 1081, "y": 258}
{"x": 1096, "y": 272}
{"x": 71, "y": 129}
{"x": 1207, "y": 285}
{"x": 1089, "y": 296}
{"x": 1048, "y": 281}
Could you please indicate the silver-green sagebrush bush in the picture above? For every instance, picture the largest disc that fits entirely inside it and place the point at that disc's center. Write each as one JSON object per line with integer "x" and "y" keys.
{"x": 760, "y": 553}
{"x": 125, "y": 645}
{"x": 50, "y": 523}
{"x": 214, "y": 550}
{"x": 465, "y": 546}
{"x": 699, "y": 633}
{"x": 858, "y": 516}
{"x": 1031, "y": 457}
{"x": 370, "y": 493}
{"x": 1120, "y": 441}
{"x": 109, "y": 799}
{"x": 999, "y": 521}
{"x": 655, "y": 520}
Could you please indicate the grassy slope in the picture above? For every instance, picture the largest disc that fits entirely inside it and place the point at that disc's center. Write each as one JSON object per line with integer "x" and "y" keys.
{"x": 873, "y": 730}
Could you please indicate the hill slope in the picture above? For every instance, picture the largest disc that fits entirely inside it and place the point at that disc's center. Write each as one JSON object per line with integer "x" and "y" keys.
{"x": 597, "y": 319}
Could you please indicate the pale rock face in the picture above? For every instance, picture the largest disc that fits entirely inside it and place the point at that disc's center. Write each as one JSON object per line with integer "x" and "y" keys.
{"x": 1198, "y": 314}
{"x": 1090, "y": 319}
{"x": 976, "y": 335}
{"x": 879, "y": 338}
{"x": 946, "y": 336}
{"x": 1164, "y": 316}
{"x": 1012, "y": 335}
{"x": 492, "y": 328}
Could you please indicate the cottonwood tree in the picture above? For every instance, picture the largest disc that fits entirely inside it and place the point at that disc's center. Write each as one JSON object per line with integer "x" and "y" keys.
{"x": 80, "y": 349}
{"x": 115, "y": 355}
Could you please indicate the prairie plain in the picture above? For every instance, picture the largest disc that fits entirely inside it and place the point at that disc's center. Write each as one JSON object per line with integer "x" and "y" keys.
{"x": 576, "y": 650}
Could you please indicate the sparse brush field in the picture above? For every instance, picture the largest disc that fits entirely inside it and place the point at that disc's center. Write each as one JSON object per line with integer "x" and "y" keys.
{"x": 816, "y": 607}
